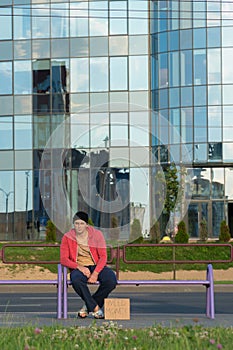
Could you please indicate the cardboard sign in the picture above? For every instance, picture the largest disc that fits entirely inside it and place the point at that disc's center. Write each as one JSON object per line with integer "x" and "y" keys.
{"x": 117, "y": 309}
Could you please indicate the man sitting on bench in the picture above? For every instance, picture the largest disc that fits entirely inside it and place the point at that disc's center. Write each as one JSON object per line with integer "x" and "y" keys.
{"x": 83, "y": 251}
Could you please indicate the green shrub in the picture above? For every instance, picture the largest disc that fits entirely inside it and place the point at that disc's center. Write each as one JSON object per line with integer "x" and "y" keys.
{"x": 182, "y": 235}
{"x": 50, "y": 232}
{"x": 225, "y": 235}
{"x": 155, "y": 234}
{"x": 114, "y": 230}
{"x": 90, "y": 222}
{"x": 203, "y": 230}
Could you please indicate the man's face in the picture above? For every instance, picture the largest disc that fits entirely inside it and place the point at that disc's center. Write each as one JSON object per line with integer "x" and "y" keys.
{"x": 80, "y": 226}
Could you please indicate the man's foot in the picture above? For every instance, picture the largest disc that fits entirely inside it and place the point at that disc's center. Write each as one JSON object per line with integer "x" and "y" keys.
{"x": 98, "y": 314}
{"x": 83, "y": 313}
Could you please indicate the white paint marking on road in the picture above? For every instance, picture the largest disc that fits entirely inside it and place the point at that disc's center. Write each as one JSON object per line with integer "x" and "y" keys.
{"x": 20, "y": 305}
{"x": 40, "y": 298}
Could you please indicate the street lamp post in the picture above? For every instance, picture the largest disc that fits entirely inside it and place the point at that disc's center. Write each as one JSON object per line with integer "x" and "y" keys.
{"x": 7, "y": 219}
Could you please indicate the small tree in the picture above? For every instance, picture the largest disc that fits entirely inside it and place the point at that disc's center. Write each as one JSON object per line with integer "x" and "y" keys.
{"x": 155, "y": 234}
{"x": 182, "y": 235}
{"x": 225, "y": 235}
{"x": 203, "y": 230}
{"x": 50, "y": 232}
{"x": 135, "y": 232}
{"x": 114, "y": 231}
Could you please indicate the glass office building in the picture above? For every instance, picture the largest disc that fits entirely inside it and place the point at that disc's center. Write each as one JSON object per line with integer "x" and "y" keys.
{"x": 99, "y": 97}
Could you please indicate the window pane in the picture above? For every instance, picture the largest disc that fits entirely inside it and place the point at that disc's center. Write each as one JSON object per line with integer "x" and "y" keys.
{"x": 6, "y": 103}
{"x": 200, "y": 97}
{"x": 60, "y": 84}
{"x": 6, "y": 133}
{"x": 138, "y": 17}
{"x": 59, "y": 20}
{"x": 6, "y": 78}
{"x": 214, "y": 66}
{"x": 227, "y": 39}
{"x": 227, "y": 116}
{"x": 118, "y": 45}
{"x": 186, "y": 96}
{"x": 7, "y": 191}
{"x": 174, "y": 97}
{"x": 186, "y": 71}
{"x": 174, "y": 74}
{"x": 6, "y": 160}
{"x": 79, "y": 131}
{"x": 23, "y": 192}
{"x": 199, "y": 38}
{"x": 138, "y": 44}
{"x": 119, "y": 129}
{"x": 6, "y": 50}
{"x": 227, "y": 94}
{"x": 40, "y": 48}
{"x": 40, "y": 21}
{"x": 23, "y": 159}
{"x": 99, "y": 46}
{"x": 200, "y": 117}
{"x": 98, "y": 11}
{"x": 23, "y": 132}
{"x": 99, "y": 130}
{"x": 214, "y": 95}
{"x": 79, "y": 80}
{"x": 60, "y": 48}
{"x": 185, "y": 39}
{"x": 227, "y": 67}
{"x": 200, "y": 152}
{"x": 118, "y": 73}
{"x": 78, "y": 19}
{"x": 215, "y": 153}
{"x": 99, "y": 74}
{"x": 174, "y": 40}
{"x": 163, "y": 70}
{"x": 213, "y": 37}
{"x": 22, "y": 49}
{"x": 229, "y": 182}
{"x": 22, "y": 23}
{"x": 138, "y": 72}
{"x": 5, "y": 23}
{"x": 118, "y": 17}
{"x": 227, "y": 151}
{"x": 217, "y": 217}
{"x": 201, "y": 185}
{"x": 22, "y": 77}
{"x": 41, "y": 131}
{"x": 79, "y": 47}
{"x": 199, "y": 67}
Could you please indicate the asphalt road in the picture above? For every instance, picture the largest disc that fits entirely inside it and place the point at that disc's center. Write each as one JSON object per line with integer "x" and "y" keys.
{"x": 33, "y": 305}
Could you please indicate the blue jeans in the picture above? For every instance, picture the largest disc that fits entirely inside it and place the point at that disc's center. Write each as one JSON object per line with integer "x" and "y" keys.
{"x": 107, "y": 282}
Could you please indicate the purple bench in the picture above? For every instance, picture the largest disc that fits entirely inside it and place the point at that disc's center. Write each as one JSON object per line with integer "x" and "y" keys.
{"x": 57, "y": 282}
{"x": 208, "y": 283}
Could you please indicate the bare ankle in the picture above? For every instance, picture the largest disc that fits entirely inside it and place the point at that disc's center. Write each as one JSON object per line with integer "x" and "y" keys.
{"x": 96, "y": 308}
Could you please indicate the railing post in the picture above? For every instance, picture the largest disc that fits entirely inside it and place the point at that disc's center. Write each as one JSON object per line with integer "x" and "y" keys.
{"x": 174, "y": 264}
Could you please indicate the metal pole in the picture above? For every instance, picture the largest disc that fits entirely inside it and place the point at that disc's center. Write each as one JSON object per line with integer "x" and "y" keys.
{"x": 7, "y": 195}
{"x": 7, "y": 218}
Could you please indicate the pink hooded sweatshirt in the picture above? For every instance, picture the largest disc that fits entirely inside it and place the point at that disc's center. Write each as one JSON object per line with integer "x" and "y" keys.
{"x": 97, "y": 245}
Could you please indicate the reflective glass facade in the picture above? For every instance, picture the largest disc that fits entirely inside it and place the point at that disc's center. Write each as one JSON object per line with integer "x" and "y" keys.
{"x": 98, "y": 97}
{"x": 191, "y": 57}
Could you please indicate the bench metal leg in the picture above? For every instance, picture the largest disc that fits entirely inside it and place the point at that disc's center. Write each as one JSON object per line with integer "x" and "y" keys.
{"x": 210, "y": 307}
{"x": 59, "y": 291}
{"x": 65, "y": 296}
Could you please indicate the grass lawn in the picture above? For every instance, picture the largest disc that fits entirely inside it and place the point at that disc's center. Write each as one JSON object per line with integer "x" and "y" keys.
{"x": 112, "y": 336}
